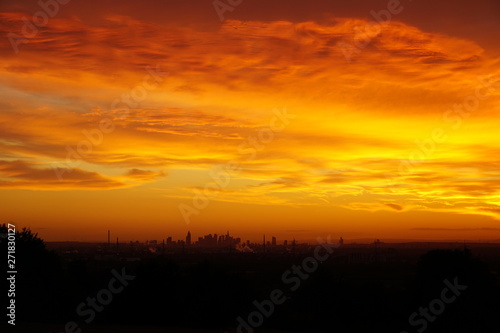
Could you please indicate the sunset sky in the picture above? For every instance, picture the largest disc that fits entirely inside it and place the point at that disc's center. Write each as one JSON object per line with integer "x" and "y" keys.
{"x": 125, "y": 115}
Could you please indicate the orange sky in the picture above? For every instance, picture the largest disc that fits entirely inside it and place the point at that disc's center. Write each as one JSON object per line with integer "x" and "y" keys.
{"x": 121, "y": 116}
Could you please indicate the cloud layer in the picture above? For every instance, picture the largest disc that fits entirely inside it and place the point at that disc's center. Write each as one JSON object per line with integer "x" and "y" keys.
{"x": 355, "y": 122}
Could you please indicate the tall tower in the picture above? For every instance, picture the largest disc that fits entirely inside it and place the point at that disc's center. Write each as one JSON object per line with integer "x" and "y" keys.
{"x": 188, "y": 238}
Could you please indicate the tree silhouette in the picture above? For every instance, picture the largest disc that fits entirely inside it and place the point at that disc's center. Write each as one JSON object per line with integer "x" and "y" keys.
{"x": 38, "y": 273}
{"x": 473, "y": 310}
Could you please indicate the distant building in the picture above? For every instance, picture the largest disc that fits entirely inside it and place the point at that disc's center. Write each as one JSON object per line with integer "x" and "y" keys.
{"x": 188, "y": 238}
{"x": 274, "y": 241}
{"x": 208, "y": 241}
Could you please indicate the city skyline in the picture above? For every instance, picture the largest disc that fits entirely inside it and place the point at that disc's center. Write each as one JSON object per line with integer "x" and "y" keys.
{"x": 202, "y": 240}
